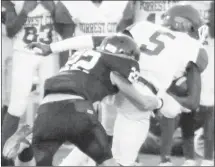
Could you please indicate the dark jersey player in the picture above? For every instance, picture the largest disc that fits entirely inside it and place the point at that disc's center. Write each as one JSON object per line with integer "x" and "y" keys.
{"x": 66, "y": 112}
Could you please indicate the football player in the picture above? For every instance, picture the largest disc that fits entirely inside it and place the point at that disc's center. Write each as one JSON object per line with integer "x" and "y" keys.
{"x": 138, "y": 15}
{"x": 27, "y": 22}
{"x": 156, "y": 43}
{"x": 101, "y": 17}
{"x": 187, "y": 120}
{"x": 6, "y": 59}
{"x": 66, "y": 112}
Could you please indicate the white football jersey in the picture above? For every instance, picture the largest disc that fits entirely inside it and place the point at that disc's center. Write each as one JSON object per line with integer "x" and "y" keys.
{"x": 37, "y": 28}
{"x": 151, "y": 10}
{"x": 92, "y": 19}
{"x": 207, "y": 93}
{"x": 163, "y": 52}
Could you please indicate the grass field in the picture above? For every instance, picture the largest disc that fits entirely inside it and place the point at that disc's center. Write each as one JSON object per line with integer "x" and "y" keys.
{"x": 145, "y": 159}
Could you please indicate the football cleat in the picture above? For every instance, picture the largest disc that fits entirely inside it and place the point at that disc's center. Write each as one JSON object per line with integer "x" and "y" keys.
{"x": 189, "y": 162}
{"x": 166, "y": 164}
{"x": 17, "y": 142}
{"x": 207, "y": 162}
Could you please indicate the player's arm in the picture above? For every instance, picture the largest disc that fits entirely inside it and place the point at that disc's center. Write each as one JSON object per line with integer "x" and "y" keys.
{"x": 122, "y": 64}
{"x": 142, "y": 102}
{"x": 192, "y": 100}
{"x": 63, "y": 22}
{"x": 14, "y": 22}
{"x": 128, "y": 17}
{"x": 74, "y": 43}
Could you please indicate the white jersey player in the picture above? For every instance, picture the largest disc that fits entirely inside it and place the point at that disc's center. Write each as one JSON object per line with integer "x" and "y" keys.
{"x": 6, "y": 66}
{"x": 27, "y": 22}
{"x": 95, "y": 18}
{"x": 158, "y": 46}
{"x": 37, "y": 28}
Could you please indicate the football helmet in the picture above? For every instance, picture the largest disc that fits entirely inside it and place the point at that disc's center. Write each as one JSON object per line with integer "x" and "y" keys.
{"x": 183, "y": 18}
{"x": 120, "y": 45}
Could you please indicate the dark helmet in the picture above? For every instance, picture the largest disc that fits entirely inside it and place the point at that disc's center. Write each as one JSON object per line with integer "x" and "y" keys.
{"x": 120, "y": 44}
{"x": 183, "y": 18}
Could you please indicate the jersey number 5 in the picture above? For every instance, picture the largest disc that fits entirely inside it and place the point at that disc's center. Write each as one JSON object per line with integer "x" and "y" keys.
{"x": 160, "y": 44}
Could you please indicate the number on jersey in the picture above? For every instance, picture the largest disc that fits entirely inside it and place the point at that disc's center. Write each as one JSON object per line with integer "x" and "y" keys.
{"x": 134, "y": 75}
{"x": 84, "y": 61}
{"x": 31, "y": 34}
{"x": 160, "y": 44}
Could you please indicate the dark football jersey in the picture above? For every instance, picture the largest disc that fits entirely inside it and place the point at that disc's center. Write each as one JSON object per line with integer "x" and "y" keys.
{"x": 87, "y": 73}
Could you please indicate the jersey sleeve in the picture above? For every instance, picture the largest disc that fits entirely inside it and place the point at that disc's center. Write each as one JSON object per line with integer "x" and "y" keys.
{"x": 122, "y": 65}
{"x": 200, "y": 59}
{"x": 62, "y": 14}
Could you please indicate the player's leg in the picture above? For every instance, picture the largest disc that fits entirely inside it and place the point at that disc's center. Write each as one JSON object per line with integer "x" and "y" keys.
{"x": 88, "y": 134}
{"x": 107, "y": 115}
{"x": 129, "y": 135}
{"x": 168, "y": 129}
{"x": 48, "y": 131}
{"x": 22, "y": 74}
{"x": 6, "y": 86}
{"x": 108, "y": 112}
{"x": 75, "y": 158}
{"x": 6, "y": 73}
{"x": 208, "y": 135}
{"x": 187, "y": 123}
{"x": 95, "y": 144}
{"x": 168, "y": 123}
{"x": 48, "y": 67}
{"x": 48, "y": 136}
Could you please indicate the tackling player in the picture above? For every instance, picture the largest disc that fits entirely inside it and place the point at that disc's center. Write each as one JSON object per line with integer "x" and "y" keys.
{"x": 101, "y": 17}
{"x": 85, "y": 79}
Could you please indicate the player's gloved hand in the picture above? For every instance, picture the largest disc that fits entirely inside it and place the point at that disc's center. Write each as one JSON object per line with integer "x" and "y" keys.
{"x": 40, "y": 49}
{"x": 29, "y": 6}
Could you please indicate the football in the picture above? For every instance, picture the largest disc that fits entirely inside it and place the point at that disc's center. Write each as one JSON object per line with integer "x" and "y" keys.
{"x": 179, "y": 87}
